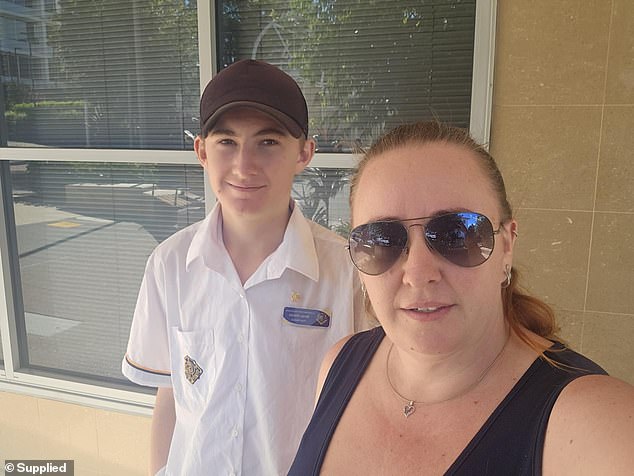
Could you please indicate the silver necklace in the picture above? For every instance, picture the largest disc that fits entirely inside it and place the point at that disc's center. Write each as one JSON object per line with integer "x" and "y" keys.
{"x": 410, "y": 405}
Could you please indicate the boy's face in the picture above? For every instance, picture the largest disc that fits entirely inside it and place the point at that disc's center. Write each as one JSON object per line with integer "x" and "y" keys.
{"x": 250, "y": 160}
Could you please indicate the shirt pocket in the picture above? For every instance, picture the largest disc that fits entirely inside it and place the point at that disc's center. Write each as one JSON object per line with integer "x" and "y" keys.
{"x": 193, "y": 367}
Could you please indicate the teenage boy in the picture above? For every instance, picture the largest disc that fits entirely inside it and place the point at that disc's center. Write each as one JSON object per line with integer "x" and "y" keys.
{"x": 236, "y": 312}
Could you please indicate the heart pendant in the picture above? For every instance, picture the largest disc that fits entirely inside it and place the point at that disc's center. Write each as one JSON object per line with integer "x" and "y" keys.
{"x": 408, "y": 409}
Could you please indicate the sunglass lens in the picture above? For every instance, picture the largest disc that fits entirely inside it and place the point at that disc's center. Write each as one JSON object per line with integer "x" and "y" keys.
{"x": 375, "y": 247}
{"x": 465, "y": 239}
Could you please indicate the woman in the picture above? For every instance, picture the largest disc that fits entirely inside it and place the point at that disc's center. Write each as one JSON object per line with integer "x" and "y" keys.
{"x": 464, "y": 375}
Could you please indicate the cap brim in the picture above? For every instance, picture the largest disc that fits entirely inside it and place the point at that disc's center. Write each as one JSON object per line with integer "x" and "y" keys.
{"x": 289, "y": 124}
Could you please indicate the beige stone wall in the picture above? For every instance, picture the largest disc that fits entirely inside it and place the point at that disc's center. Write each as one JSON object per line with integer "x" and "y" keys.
{"x": 563, "y": 134}
{"x": 101, "y": 443}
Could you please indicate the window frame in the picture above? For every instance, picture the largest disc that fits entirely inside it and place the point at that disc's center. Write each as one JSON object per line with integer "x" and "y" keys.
{"x": 13, "y": 378}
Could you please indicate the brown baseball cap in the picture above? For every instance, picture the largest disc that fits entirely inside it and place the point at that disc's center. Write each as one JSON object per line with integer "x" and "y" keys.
{"x": 256, "y": 84}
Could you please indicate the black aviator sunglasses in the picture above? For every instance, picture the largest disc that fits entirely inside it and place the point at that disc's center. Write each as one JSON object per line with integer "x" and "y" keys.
{"x": 463, "y": 238}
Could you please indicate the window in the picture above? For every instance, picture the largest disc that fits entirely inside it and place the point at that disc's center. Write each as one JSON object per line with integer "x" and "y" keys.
{"x": 364, "y": 66}
{"x": 106, "y": 74}
{"x": 97, "y": 171}
{"x": 83, "y": 233}
{"x": 98, "y": 107}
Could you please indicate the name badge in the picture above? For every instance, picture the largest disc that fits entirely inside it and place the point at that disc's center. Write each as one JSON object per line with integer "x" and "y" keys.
{"x": 306, "y": 317}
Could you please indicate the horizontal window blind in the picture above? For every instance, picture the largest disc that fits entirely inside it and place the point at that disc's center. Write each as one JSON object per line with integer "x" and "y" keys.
{"x": 84, "y": 232}
{"x": 364, "y": 66}
{"x": 104, "y": 74}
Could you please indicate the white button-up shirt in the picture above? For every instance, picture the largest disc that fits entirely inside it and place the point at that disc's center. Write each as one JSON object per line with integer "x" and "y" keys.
{"x": 242, "y": 360}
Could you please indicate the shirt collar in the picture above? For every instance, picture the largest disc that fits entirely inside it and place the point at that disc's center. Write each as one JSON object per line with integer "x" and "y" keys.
{"x": 207, "y": 243}
{"x": 297, "y": 250}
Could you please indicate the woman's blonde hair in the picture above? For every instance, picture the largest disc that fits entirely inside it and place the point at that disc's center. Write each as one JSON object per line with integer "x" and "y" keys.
{"x": 520, "y": 310}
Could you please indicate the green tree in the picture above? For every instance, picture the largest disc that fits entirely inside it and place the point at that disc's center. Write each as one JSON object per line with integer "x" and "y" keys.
{"x": 315, "y": 188}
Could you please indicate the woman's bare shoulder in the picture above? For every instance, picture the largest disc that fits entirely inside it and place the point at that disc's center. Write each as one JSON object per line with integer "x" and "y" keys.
{"x": 591, "y": 428}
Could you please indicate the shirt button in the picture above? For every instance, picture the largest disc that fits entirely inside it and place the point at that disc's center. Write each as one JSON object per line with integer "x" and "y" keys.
{"x": 240, "y": 338}
{"x": 234, "y": 433}
{"x": 239, "y": 387}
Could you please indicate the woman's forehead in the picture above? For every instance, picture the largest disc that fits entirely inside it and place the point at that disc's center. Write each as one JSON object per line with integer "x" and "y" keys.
{"x": 422, "y": 179}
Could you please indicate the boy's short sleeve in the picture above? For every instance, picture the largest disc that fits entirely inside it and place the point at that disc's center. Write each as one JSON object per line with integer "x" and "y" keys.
{"x": 147, "y": 360}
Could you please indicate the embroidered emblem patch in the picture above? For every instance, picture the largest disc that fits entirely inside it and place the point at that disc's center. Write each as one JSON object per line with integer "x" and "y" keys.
{"x": 193, "y": 371}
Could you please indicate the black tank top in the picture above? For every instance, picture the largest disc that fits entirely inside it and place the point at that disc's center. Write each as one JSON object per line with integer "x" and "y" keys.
{"x": 510, "y": 442}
